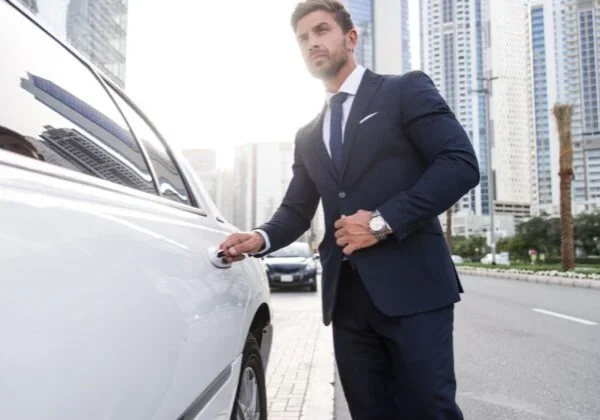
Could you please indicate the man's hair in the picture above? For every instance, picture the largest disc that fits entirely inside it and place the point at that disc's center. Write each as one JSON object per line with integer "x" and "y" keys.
{"x": 335, "y": 7}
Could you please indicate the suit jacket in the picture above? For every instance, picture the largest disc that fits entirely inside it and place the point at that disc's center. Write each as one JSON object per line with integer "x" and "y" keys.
{"x": 411, "y": 161}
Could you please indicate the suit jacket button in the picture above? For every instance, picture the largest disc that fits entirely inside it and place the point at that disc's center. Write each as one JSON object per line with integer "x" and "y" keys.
{"x": 342, "y": 194}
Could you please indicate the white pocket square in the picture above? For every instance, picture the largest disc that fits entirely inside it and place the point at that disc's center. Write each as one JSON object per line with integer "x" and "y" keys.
{"x": 367, "y": 117}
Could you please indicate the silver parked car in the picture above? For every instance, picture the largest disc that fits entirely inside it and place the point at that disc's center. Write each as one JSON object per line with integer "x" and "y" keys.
{"x": 115, "y": 303}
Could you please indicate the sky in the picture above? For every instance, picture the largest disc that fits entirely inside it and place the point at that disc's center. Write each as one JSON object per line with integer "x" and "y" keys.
{"x": 221, "y": 73}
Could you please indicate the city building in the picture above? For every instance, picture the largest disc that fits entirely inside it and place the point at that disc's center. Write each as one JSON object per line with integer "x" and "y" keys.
{"x": 543, "y": 33}
{"x": 96, "y": 28}
{"x": 225, "y": 195}
{"x": 30, "y": 4}
{"x": 261, "y": 175}
{"x": 580, "y": 83}
{"x": 362, "y": 16}
{"x": 244, "y": 182}
{"x": 406, "y": 38}
{"x": 452, "y": 55}
{"x": 521, "y": 212}
{"x": 218, "y": 182}
{"x": 383, "y": 34}
{"x": 202, "y": 160}
{"x": 108, "y": 152}
{"x": 262, "y": 172}
{"x": 204, "y": 164}
{"x": 507, "y": 58}
{"x": 466, "y": 223}
{"x": 565, "y": 49}
{"x": 477, "y": 53}
{"x": 392, "y": 37}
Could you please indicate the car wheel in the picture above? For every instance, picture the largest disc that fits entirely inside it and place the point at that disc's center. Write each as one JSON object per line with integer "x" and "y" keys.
{"x": 313, "y": 287}
{"x": 251, "y": 396}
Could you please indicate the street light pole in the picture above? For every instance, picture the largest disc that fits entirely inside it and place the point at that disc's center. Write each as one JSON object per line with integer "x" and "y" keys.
{"x": 487, "y": 91}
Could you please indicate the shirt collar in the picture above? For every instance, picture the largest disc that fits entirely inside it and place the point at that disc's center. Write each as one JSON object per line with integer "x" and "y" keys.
{"x": 351, "y": 84}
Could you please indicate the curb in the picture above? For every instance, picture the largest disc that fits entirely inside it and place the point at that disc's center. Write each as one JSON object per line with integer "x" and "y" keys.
{"x": 534, "y": 278}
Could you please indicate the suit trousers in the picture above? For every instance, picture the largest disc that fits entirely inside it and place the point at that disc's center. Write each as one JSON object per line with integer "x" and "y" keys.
{"x": 393, "y": 367}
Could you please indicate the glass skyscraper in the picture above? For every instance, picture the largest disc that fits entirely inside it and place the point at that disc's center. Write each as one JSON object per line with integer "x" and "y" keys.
{"x": 362, "y": 16}
{"x": 479, "y": 128}
{"x": 406, "y": 59}
{"x": 452, "y": 55}
{"x": 588, "y": 34}
{"x": 542, "y": 108}
{"x": 580, "y": 86}
{"x": 96, "y": 28}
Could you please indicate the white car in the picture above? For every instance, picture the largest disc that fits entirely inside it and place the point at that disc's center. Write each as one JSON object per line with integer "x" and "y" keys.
{"x": 115, "y": 303}
{"x": 457, "y": 259}
{"x": 500, "y": 259}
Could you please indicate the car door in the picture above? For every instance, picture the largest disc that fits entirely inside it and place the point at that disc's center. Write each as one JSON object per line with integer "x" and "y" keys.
{"x": 218, "y": 328}
{"x": 110, "y": 306}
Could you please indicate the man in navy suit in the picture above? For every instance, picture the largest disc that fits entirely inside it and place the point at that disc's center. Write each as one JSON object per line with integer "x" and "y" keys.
{"x": 387, "y": 156}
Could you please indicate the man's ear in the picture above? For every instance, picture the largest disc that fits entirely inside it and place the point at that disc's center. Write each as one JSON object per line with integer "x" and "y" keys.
{"x": 352, "y": 39}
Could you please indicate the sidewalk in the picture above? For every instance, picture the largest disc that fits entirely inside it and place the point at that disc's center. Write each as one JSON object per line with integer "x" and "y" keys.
{"x": 300, "y": 374}
{"x": 559, "y": 280}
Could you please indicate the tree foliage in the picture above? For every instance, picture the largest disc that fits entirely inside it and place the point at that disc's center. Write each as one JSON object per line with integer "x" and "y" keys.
{"x": 539, "y": 233}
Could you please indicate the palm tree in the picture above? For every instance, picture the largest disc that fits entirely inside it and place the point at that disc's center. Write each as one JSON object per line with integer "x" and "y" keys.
{"x": 562, "y": 114}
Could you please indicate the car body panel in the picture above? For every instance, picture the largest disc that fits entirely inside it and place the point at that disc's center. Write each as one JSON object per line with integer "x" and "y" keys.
{"x": 141, "y": 316}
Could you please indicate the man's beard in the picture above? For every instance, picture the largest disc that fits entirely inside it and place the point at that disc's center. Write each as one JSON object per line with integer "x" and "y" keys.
{"x": 332, "y": 68}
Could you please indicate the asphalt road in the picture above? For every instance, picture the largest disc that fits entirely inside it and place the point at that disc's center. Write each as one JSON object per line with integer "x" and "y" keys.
{"x": 518, "y": 357}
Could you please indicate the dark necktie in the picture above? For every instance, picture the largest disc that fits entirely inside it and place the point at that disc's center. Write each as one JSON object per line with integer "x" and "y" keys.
{"x": 335, "y": 139}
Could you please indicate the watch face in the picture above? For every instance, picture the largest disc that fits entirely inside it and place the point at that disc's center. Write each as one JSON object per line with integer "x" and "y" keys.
{"x": 377, "y": 224}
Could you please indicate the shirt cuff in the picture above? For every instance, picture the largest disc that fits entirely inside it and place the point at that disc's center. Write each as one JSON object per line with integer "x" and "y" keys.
{"x": 267, "y": 241}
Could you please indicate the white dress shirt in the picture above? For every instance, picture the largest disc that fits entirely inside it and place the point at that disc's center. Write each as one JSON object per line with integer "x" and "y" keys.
{"x": 350, "y": 86}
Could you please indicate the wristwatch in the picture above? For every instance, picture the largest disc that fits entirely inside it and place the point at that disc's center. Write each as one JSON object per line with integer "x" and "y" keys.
{"x": 378, "y": 226}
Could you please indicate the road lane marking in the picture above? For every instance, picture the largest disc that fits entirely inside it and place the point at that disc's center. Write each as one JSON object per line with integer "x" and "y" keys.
{"x": 570, "y": 318}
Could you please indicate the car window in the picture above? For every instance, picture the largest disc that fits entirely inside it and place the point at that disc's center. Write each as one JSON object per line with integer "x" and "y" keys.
{"x": 54, "y": 109}
{"x": 170, "y": 180}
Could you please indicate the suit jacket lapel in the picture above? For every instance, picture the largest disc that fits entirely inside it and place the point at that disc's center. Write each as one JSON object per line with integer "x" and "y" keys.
{"x": 318, "y": 145}
{"x": 367, "y": 89}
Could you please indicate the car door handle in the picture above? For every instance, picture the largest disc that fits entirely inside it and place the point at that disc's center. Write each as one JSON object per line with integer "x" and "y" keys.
{"x": 215, "y": 256}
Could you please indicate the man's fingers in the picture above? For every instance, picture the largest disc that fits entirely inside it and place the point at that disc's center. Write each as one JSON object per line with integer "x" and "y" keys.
{"x": 231, "y": 243}
{"x": 248, "y": 246}
{"x": 234, "y": 259}
{"x": 238, "y": 244}
{"x": 231, "y": 240}
{"x": 342, "y": 242}
{"x": 340, "y": 223}
{"x": 349, "y": 249}
{"x": 340, "y": 233}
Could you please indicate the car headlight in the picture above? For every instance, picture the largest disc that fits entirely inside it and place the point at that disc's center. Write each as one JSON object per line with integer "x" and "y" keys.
{"x": 310, "y": 265}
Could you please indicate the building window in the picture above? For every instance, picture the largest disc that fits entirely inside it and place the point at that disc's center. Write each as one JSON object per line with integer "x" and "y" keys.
{"x": 448, "y": 11}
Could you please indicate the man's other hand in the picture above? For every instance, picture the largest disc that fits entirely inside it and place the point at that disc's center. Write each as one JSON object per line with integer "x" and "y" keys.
{"x": 238, "y": 244}
{"x": 353, "y": 233}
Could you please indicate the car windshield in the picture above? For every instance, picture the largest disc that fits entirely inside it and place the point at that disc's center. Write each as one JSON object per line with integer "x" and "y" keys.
{"x": 293, "y": 250}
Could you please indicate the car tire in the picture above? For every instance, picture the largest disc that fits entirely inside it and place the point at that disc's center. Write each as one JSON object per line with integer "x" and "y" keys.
{"x": 251, "y": 395}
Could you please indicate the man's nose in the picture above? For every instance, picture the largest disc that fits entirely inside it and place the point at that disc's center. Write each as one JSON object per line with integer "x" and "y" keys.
{"x": 313, "y": 43}
{"x": 313, "y": 48}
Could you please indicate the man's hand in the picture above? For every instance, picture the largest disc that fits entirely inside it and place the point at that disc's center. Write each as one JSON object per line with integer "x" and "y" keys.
{"x": 238, "y": 244}
{"x": 353, "y": 233}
